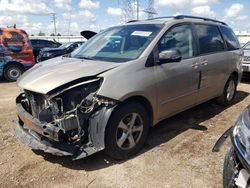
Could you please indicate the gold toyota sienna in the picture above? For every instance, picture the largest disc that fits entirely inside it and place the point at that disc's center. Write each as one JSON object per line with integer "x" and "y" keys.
{"x": 107, "y": 93}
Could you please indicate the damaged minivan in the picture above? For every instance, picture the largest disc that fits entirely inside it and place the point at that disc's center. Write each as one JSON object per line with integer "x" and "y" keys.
{"x": 107, "y": 94}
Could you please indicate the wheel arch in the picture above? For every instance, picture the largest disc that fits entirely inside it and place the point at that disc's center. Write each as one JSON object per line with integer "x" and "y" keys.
{"x": 236, "y": 75}
{"x": 144, "y": 102}
{"x": 13, "y": 63}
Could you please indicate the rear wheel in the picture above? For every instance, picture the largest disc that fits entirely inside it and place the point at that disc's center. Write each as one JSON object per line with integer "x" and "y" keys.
{"x": 12, "y": 72}
{"x": 229, "y": 92}
{"x": 126, "y": 131}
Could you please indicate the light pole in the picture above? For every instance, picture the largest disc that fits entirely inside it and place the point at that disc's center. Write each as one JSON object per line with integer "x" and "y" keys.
{"x": 54, "y": 20}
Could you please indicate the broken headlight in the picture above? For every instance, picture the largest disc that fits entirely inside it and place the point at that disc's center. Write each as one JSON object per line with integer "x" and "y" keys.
{"x": 242, "y": 129}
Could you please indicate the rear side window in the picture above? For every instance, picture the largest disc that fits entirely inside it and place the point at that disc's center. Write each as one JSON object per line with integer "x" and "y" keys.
{"x": 230, "y": 38}
{"x": 210, "y": 39}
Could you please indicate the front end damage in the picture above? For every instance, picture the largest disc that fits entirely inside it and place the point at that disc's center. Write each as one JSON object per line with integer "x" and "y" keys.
{"x": 67, "y": 121}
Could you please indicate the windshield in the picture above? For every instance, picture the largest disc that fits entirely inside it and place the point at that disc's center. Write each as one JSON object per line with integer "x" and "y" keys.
{"x": 247, "y": 46}
{"x": 65, "y": 45}
{"x": 118, "y": 44}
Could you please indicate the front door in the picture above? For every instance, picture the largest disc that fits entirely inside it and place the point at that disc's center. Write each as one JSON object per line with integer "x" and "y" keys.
{"x": 177, "y": 83}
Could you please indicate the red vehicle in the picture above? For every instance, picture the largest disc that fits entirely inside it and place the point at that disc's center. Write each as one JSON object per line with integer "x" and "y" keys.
{"x": 16, "y": 53}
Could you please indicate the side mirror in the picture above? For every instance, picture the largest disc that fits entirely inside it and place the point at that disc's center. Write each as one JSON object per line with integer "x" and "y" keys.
{"x": 169, "y": 56}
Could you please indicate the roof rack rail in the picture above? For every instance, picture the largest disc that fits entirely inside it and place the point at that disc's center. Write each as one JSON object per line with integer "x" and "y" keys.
{"x": 132, "y": 21}
{"x": 160, "y": 17}
{"x": 201, "y": 18}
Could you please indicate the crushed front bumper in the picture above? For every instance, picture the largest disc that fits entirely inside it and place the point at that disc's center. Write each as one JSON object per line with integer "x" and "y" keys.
{"x": 241, "y": 152}
{"x": 44, "y": 137}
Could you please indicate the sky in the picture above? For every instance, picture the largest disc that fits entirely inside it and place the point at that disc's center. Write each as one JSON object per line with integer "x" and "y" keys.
{"x": 73, "y": 16}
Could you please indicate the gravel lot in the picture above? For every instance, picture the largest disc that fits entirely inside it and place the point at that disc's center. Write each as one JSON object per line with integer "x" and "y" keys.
{"x": 177, "y": 152}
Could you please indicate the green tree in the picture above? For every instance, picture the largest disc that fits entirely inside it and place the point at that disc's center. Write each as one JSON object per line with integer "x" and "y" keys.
{"x": 58, "y": 34}
{"x": 52, "y": 34}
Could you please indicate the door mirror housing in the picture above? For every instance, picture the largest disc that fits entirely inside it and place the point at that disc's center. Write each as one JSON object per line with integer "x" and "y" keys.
{"x": 169, "y": 56}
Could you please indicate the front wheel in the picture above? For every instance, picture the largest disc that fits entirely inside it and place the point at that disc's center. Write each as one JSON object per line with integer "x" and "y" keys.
{"x": 126, "y": 131}
{"x": 229, "y": 92}
{"x": 229, "y": 170}
{"x": 12, "y": 72}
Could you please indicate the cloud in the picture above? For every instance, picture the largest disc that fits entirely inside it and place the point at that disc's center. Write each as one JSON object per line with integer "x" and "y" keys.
{"x": 89, "y": 4}
{"x": 203, "y": 11}
{"x": 63, "y": 4}
{"x": 242, "y": 18}
{"x": 25, "y": 7}
{"x": 234, "y": 10}
{"x": 183, "y": 4}
{"x": 114, "y": 11}
{"x": 81, "y": 16}
{"x": 10, "y": 20}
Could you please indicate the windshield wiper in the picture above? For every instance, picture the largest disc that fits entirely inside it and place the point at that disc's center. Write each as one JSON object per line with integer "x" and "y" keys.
{"x": 84, "y": 57}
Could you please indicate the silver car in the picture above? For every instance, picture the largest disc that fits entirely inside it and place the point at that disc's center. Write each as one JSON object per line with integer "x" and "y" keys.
{"x": 107, "y": 93}
{"x": 246, "y": 59}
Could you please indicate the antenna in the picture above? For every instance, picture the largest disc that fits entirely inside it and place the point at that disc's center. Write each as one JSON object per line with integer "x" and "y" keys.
{"x": 150, "y": 9}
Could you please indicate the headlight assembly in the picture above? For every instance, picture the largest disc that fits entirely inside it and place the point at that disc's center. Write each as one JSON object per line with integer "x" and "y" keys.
{"x": 47, "y": 54}
{"x": 242, "y": 129}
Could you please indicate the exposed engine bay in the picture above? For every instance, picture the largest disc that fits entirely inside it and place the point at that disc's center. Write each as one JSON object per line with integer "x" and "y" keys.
{"x": 71, "y": 118}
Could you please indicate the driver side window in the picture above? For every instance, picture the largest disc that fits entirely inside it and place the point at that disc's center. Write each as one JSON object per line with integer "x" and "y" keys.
{"x": 178, "y": 38}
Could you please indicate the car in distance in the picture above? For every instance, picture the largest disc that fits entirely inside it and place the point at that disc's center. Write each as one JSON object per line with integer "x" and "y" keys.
{"x": 106, "y": 94}
{"x": 66, "y": 48}
{"x": 16, "y": 54}
{"x": 246, "y": 58}
{"x": 39, "y": 44}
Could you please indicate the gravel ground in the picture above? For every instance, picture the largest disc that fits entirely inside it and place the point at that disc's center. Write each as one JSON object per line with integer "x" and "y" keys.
{"x": 177, "y": 152}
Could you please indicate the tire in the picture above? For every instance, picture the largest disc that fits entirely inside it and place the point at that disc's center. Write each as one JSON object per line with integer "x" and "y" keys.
{"x": 229, "y": 169}
{"x": 227, "y": 97}
{"x": 12, "y": 72}
{"x": 120, "y": 129}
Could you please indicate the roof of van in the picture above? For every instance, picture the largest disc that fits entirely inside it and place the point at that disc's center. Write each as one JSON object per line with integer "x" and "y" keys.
{"x": 178, "y": 18}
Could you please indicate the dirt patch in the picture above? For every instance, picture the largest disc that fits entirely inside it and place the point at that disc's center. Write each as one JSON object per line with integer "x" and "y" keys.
{"x": 177, "y": 152}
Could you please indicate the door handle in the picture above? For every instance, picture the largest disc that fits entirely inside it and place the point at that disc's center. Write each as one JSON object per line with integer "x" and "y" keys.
{"x": 195, "y": 65}
{"x": 204, "y": 63}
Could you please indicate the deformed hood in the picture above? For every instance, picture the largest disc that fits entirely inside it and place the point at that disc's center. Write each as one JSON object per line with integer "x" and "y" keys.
{"x": 48, "y": 75}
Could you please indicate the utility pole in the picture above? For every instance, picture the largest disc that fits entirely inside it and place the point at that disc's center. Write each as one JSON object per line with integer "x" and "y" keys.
{"x": 150, "y": 9}
{"x": 54, "y": 20}
{"x": 69, "y": 21}
{"x": 137, "y": 12}
{"x": 127, "y": 10}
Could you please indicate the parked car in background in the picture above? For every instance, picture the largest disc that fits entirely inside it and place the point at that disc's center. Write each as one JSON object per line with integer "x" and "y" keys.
{"x": 39, "y": 44}
{"x": 88, "y": 34}
{"x": 16, "y": 54}
{"x": 66, "y": 48}
{"x": 246, "y": 59}
{"x": 108, "y": 92}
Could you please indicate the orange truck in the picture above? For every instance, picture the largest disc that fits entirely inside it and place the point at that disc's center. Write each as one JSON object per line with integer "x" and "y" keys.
{"x": 16, "y": 54}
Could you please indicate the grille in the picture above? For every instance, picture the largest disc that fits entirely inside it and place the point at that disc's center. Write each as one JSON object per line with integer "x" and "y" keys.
{"x": 246, "y": 58}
